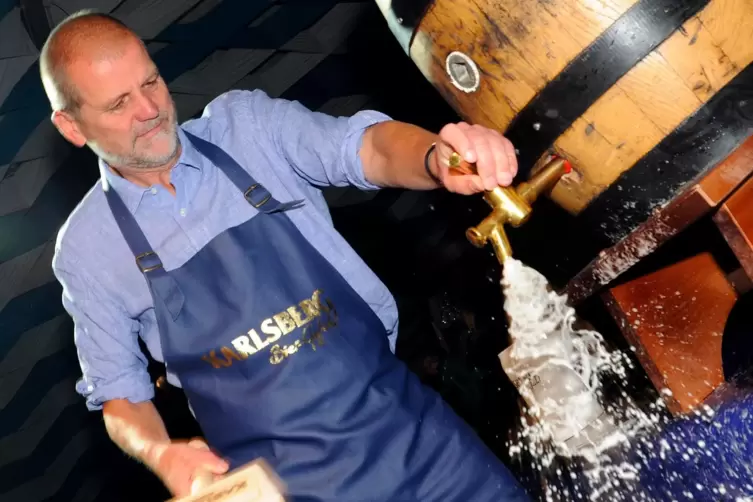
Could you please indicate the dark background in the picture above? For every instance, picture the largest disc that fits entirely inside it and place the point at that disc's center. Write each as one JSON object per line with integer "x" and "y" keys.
{"x": 336, "y": 57}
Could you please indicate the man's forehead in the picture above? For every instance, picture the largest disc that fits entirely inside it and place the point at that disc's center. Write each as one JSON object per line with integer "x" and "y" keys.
{"x": 108, "y": 55}
{"x": 103, "y": 72}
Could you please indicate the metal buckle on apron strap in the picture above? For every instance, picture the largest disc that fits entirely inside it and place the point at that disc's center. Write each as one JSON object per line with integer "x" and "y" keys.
{"x": 247, "y": 195}
{"x": 156, "y": 262}
{"x": 163, "y": 285}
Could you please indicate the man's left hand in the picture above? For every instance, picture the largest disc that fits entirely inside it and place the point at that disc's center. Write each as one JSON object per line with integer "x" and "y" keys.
{"x": 492, "y": 154}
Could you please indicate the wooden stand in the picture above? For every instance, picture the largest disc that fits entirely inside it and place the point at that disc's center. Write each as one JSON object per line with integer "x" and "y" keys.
{"x": 675, "y": 316}
{"x": 675, "y": 319}
{"x": 735, "y": 220}
{"x": 699, "y": 200}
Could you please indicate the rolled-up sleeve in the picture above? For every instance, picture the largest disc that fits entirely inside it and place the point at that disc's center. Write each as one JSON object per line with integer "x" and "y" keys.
{"x": 112, "y": 363}
{"x": 322, "y": 149}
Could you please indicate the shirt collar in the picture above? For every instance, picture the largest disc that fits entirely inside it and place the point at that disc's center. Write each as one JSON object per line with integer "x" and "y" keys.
{"x": 131, "y": 193}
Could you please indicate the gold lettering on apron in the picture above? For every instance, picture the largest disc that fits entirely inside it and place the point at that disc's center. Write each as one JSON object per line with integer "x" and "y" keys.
{"x": 292, "y": 349}
{"x": 323, "y": 306}
{"x": 257, "y": 341}
{"x": 316, "y": 315}
{"x": 215, "y": 361}
{"x": 230, "y": 354}
{"x": 268, "y": 327}
{"x": 285, "y": 322}
{"x": 313, "y": 334}
{"x": 277, "y": 355}
{"x": 243, "y": 345}
{"x": 310, "y": 308}
{"x": 296, "y": 315}
{"x": 331, "y": 313}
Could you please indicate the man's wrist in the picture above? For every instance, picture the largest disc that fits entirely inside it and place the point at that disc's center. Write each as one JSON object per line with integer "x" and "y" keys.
{"x": 431, "y": 164}
{"x": 151, "y": 453}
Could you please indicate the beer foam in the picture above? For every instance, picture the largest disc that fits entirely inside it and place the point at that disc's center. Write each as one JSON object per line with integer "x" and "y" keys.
{"x": 541, "y": 323}
{"x": 649, "y": 456}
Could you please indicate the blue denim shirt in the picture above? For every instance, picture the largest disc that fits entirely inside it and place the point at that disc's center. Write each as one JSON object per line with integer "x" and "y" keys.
{"x": 286, "y": 147}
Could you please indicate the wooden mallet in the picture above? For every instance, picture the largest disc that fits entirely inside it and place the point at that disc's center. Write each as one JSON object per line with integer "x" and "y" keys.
{"x": 253, "y": 482}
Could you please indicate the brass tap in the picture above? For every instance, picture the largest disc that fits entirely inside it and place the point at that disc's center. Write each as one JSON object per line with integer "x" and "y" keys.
{"x": 509, "y": 205}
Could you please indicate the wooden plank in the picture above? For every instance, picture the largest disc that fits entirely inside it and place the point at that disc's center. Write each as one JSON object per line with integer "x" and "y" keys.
{"x": 489, "y": 105}
{"x": 655, "y": 96}
{"x": 587, "y": 20}
{"x": 608, "y": 137}
{"x": 665, "y": 223}
{"x": 740, "y": 280}
{"x": 623, "y": 45}
{"x": 675, "y": 318}
{"x": 735, "y": 221}
{"x": 723, "y": 179}
{"x": 644, "y": 240}
{"x": 693, "y": 149}
{"x": 661, "y": 94}
{"x": 538, "y": 36}
{"x": 628, "y": 121}
{"x": 730, "y": 23}
{"x": 518, "y": 47}
{"x": 696, "y": 57}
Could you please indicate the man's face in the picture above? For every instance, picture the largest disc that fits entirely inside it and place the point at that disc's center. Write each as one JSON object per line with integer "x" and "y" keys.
{"x": 127, "y": 115}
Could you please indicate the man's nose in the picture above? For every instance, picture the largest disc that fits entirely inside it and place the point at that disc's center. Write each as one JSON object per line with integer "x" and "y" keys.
{"x": 146, "y": 109}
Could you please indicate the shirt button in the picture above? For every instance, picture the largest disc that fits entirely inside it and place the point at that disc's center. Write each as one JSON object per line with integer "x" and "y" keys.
{"x": 89, "y": 388}
{"x": 183, "y": 211}
{"x": 154, "y": 190}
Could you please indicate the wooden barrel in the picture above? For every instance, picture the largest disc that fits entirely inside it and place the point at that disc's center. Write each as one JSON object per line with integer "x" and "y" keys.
{"x": 642, "y": 96}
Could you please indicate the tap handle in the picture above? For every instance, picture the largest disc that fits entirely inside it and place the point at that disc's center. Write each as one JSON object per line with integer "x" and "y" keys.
{"x": 459, "y": 167}
{"x": 551, "y": 172}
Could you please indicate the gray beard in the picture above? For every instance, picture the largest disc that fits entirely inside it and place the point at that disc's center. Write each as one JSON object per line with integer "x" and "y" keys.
{"x": 142, "y": 162}
{"x": 137, "y": 162}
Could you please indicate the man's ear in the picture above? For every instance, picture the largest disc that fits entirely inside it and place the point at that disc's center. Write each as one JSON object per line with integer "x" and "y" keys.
{"x": 68, "y": 127}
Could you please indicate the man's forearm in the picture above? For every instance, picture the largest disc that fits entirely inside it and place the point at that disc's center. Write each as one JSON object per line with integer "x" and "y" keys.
{"x": 393, "y": 156}
{"x": 137, "y": 429}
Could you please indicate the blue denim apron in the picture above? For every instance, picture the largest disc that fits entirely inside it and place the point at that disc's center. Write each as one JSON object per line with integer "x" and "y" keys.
{"x": 280, "y": 358}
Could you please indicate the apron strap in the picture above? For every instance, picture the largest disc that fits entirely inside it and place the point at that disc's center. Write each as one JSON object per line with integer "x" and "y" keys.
{"x": 163, "y": 285}
{"x": 254, "y": 192}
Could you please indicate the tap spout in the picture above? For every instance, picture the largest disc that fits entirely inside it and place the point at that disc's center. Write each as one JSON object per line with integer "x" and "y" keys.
{"x": 500, "y": 244}
{"x": 510, "y": 205}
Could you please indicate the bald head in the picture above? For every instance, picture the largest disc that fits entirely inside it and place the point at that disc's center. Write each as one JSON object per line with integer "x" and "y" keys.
{"x": 107, "y": 93}
{"x": 80, "y": 38}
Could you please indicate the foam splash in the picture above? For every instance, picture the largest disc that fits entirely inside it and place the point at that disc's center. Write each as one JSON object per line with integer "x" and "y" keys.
{"x": 542, "y": 329}
{"x": 648, "y": 456}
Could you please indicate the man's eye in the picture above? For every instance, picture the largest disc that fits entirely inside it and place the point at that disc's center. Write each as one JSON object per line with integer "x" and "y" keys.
{"x": 118, "y": 105}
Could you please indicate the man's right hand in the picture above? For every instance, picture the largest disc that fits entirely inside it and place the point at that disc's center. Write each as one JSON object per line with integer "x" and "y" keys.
{"x": 184, "y": 467}
{"x": 138, "y": 430}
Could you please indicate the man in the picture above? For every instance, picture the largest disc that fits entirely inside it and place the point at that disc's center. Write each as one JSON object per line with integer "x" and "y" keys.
{"x": 211, "y": 241}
